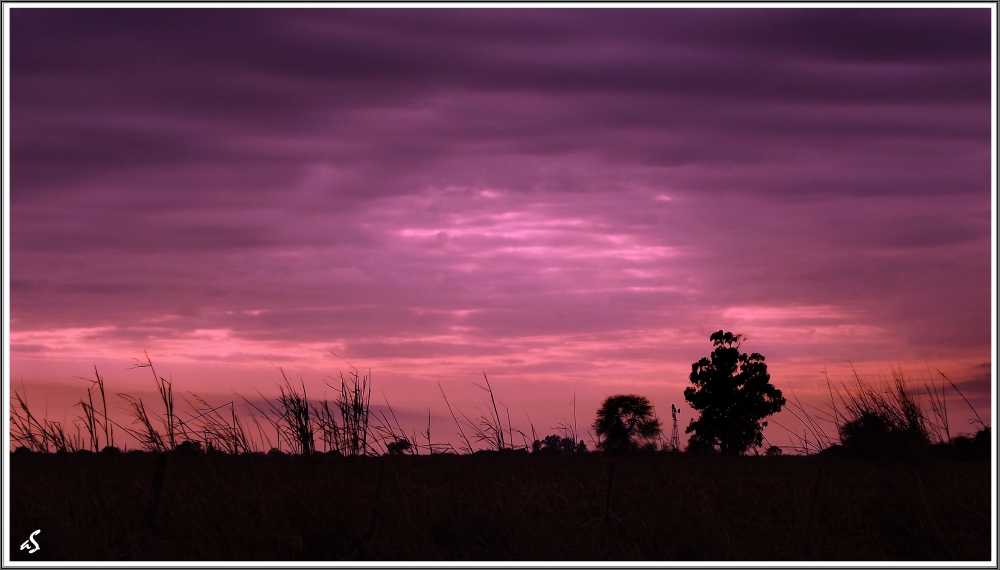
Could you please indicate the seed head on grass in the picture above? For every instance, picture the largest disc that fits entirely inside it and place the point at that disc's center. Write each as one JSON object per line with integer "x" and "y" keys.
{"x": 165, "y": 390}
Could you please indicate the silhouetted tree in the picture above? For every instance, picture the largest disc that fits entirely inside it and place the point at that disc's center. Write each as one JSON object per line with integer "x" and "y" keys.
{"x": 624, "y": 421}
{"x": 733, "y": 392}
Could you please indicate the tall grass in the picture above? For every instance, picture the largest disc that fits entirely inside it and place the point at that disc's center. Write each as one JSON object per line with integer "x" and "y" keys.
{"x": 290, "y": 422}
{"x": 96, "y": 421}
{"x": 218, "y": 432}
{"x": 41, "y": 435}
{"x": 346, "y": 425}
{"x": 148, "y": 436}
{"x": 884, "y": 417}
{"x": 350, "y": 435}
{"x": 354, "y": 404}
{"x": 887, "y": 418}
{"x": 461, "y": 431}
{"x": 289, "y": 415}
{"x": 489, "y": 427}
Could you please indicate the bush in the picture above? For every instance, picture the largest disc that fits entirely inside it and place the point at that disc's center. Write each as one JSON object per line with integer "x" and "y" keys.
{"x": 555, "y": 445}
{"x": 398, "y": 447}
{"x": 885, "y": 423}
{"x": 700, "y": 446}
{"x": 874, "y": 435}
{"x": 971, "y": 448}
{"x": 189, "y": 447}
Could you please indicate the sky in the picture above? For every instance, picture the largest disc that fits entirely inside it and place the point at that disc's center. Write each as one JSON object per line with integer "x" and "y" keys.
{"x": 567, "y": 200}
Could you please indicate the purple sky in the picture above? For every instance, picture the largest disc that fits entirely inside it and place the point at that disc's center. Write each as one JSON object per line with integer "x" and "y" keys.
{"x": 569, "y": 200}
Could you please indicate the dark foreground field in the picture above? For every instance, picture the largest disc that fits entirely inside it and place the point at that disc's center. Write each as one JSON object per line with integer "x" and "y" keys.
{"x": 254, "y": 507}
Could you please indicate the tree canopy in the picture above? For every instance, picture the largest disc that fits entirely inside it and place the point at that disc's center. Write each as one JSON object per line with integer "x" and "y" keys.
{"x": 734, "y": 394}
{"x": 624, "y": 421}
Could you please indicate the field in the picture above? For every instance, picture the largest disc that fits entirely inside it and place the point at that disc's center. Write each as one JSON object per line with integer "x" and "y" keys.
{"x": 511, "y": 506}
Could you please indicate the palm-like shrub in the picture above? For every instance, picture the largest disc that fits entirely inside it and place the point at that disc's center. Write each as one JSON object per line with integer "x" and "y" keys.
{"x": 624, "y": 422}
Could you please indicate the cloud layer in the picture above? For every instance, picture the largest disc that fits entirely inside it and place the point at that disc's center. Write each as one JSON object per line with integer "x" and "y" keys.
{"x": 564, "y": 198}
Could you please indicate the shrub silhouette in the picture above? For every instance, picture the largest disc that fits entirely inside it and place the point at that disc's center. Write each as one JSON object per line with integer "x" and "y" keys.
{"x": 189, "y": 447}
{"x": 884, "y": 422}
{"x": 733, "y": 392}
{"x": 398, "y": 447}
{"x": 624, "y": 422}
{"x": 874, "y": 435}
{"x": 699, "y": 446}
{"x": 555, "y": 445}
{"x": 977, "y": 447}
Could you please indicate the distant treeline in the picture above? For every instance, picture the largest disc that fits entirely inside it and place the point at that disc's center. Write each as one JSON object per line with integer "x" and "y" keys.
{"x": 730, "y": 389}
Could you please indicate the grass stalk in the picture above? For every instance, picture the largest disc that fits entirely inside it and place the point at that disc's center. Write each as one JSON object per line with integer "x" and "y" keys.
{"x": 468, "y": 445}
{"x": 971, "y": 407}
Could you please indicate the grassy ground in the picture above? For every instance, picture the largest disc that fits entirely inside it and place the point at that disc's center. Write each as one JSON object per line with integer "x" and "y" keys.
{"x": 518, "y": 507}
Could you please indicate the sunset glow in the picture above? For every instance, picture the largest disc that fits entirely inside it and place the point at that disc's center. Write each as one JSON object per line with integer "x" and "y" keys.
{"x": 567, "y": 200}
